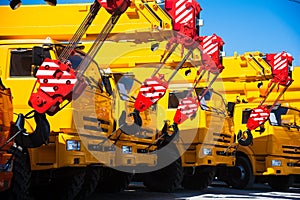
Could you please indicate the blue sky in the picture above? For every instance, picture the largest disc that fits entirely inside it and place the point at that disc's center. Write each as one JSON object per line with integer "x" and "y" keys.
{"x": 254, "y": 25}
{"x": 268, "y": 26}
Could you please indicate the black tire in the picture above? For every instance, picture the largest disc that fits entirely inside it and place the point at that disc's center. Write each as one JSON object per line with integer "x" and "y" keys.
{"x": 241, "y": 176}
{"x": 167, "y": 179}
{"x": 245, "y": 138}
{"x": 73, "y": 184}
{"x": 64, "y": 184}
{"x": 280, "y": 183}
{"x": 21, "y": 180}
{"x": 5, "y": 194}
{"x": 92, "y": 177}
{"x": 202, "y": 178}
{"x": 113, "y": 180}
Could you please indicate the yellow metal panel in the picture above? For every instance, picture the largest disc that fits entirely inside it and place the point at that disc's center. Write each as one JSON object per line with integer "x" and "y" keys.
{"x": 244, "y": 68}
{"x": 61, "y": 22}
{"x": 163, "y": 16}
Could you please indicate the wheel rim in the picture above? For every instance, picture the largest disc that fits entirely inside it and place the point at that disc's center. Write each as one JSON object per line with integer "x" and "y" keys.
{"x": 239, "y": 173}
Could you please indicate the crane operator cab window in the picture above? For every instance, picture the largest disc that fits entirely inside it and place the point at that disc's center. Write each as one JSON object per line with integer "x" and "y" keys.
{"x": 127, "y": 86}
{"x": 75, "y": 57}
{"x": 207, "y": 97}
{"x": 21, "y": 62}
{"x": 175, "y": 97}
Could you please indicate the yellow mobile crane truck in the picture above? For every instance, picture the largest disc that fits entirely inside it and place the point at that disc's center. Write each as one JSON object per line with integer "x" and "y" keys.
{"x": 272, "y": 154}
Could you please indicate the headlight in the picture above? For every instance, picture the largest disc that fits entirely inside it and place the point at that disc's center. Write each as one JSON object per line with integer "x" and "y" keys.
{"x": 276, "y": 163}
{"x": 73, "y": 145}
{"x": 126, "y": 150}
{"x": 207, "y": 151}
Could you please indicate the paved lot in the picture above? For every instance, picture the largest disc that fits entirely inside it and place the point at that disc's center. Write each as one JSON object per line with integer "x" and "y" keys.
{"x": 217, "y": 191}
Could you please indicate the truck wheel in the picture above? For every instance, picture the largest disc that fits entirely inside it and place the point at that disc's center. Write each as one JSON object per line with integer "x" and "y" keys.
{"x": 113, "y": 180}
{"x": 60, "y": 184}
{"x": 241, "y": 176}
{"x": 4, "y": 194}
{"x": 200, "y": 180}
{"x": 21, "y": 179}
{"x": 166, "y": 179}
{"x": 66, "y": 182}
{"x": 73, "y": 184}
{"x": 91, "y": 179}
{"x": 245, "y": 138}
{"x": 280, "y": 183}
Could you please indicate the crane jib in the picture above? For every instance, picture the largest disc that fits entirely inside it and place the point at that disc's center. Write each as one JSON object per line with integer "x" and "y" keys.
{"x": 97, "y": 44}
{"x": 80, "y": 32}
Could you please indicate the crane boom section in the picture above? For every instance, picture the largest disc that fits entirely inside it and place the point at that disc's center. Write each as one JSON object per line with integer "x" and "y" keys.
{"x": 55, "y": 22}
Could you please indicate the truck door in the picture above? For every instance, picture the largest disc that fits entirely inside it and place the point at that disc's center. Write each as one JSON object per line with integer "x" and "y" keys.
{"x": 19, "y": 75}
{"x": 260, "y": 135}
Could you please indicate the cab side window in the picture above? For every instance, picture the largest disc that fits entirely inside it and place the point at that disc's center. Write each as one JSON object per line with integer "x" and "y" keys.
{"x": 21, "y": 62}
{"x": 175, "y": 97}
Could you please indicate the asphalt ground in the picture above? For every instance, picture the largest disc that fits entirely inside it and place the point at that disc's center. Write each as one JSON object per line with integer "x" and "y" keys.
{"x": 216, "y": 191}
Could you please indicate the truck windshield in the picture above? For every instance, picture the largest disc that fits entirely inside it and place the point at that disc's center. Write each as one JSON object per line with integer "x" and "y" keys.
{"x": 283, "y": 116}
{"x": 127, "y": 86}
{"x": 212, "y": 101}
{"x": 75, "y": 57}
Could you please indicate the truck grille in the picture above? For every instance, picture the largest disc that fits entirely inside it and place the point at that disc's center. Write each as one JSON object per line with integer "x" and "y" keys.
{"x": 100, "y": 147}
{"x": 294, "y": 150}
{"x": 225, "y": 153}
{"x": 222, "y": 138}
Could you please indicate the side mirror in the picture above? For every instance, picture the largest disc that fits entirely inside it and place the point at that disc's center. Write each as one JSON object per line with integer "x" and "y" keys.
{"x": 37, "y": 55}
